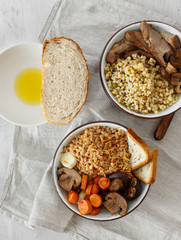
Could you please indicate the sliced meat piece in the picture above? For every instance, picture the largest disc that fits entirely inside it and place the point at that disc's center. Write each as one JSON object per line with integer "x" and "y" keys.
{"x": 157, "y": 45}
{"x": 139, "y": 52}
{"x": 175, "y": 59}
{"x": 137, "y": 39}
{"x": 170, "y": 68}
{"x": 173, "y": 40}
{"x": 118, "y": 48}
{"x": 176, "y": 79}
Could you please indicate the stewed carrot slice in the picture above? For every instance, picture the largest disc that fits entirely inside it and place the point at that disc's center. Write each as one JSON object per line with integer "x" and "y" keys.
{"x": 96, "y": 200}
{"x": 95, "y": 211}
{"x": 104, "y": 183}
{"x": 84, "y": 206}
{"x": 72, "y": 196}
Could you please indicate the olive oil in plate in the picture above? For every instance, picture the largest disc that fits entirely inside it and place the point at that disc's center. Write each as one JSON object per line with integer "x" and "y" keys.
{"x": 28, "y": 85}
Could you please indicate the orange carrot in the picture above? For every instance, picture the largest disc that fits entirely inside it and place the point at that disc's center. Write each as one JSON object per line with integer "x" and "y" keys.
{"x": 95, "y": 188}
{"x": 84, "y": 206}
{"x": 84, "y": 181}
{"x": 96, "y": 179}
{"x": 95, "y": 211}
{"x": 72, "y": 196}
{"x": 89, "y": 189}
{"x": 104, "y": 183}
{"x": 95, "y": 200}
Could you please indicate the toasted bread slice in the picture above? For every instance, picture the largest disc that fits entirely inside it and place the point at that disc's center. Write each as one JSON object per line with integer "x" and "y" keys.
{"x": 140, "y": 152}
{"x": 65, "y": 79}
{"x": 147, "y": 173}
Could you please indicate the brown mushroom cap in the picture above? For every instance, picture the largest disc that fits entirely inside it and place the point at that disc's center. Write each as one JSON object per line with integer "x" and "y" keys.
{"x": 119, "y": 181}
{"x": 68, "y": 178}
{"x": 175, "y": 59}
{"x": 116, "y": 203}
{"x": 134, "y": 189}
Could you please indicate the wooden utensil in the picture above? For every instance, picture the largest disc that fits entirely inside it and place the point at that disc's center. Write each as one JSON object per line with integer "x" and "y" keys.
{"x": 163, "y": 126}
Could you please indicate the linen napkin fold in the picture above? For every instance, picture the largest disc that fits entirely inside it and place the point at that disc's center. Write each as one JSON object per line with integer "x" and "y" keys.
{"x": 29, "y": 193}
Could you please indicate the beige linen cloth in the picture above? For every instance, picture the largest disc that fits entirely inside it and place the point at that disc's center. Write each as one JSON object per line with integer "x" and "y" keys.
{"x": 29, "y": 193}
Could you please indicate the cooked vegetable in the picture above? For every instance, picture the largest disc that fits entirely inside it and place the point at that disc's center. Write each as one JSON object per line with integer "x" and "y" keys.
{"x": 89, "y": 189}
{"x": 84, "y": 206}
{"x": 96, "y": 200}
{"x": 84, "y": 181}
{"x": 82, "y": 195}
{"x": 72, "y": 197}
{"x": 95, "y": 188}
{"x": 95, "y": 211}
{"x": 96, "y": 179}
{"x": 134, "y": 189}
{"x": 104, "y": 183}
{"x": 68, "y": 160}
{"x": 68, "y": 178}
{"x": 116, "y": 203}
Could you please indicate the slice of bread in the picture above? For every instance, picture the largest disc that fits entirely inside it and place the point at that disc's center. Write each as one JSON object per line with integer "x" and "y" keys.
{"x": 65, "y": 79}
{"x": 140, "y": 152}
{"x": 147, "y": 173}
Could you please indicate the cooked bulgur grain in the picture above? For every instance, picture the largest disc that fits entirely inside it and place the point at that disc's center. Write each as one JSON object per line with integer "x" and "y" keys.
{"x": 100, "y": 151}
{"x": 137, "y": 84}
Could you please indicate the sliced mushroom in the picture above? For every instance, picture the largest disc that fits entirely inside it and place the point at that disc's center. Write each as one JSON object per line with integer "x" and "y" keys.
{"x": 178, "y": 89}
{"x": 175, "y": 59}
{"x": 68, "y": 178}
{"x": 116, "y": 203}
{"x": 176, "y": 79}
{"x": 119, "y": 181}
{"x": 134, "y": 189}
{"x": 118, "y": 48}
{"x": 164, "y": 73}
{"x": 170, "y": 68}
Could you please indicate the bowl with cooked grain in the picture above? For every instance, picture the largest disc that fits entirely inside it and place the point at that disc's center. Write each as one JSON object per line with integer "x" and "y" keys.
{"x": 93, "y": 172}
{"x": 140, "y": 69}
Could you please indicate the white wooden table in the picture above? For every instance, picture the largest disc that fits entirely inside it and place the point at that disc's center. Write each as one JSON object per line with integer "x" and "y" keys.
{"x": 22, "y": 21}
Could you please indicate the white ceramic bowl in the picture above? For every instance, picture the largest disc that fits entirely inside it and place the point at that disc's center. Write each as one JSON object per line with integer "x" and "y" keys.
{"x": 118, "y": 36}
{"x": 12, "y": 61}
{"x": 104, "y": 215}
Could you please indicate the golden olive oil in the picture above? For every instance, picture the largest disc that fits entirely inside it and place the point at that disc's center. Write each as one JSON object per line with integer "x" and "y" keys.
{"x": 28, "y": 86}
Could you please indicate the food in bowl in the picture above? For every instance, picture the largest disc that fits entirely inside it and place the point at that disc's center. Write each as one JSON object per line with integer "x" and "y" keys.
{"x": 91, "y": 183}
{"x": 142, "y": 72}
{"x": 100, "y": 151}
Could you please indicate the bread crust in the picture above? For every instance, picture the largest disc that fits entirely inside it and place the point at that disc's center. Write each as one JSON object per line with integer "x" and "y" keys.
{"x": 143, "y": 145}
{"x": 153, "y": 169}
{"x": 46, "y": 42}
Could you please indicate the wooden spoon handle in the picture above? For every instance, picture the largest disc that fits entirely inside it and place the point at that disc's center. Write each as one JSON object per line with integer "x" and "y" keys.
{"x": 163, "y": 126}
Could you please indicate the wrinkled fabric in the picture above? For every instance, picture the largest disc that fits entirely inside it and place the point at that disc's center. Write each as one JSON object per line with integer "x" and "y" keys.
{"x": 29, "y": 194}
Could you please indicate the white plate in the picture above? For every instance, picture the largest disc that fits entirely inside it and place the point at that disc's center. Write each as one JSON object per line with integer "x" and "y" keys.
{"x": 118, "y": 36}
{"x": 12, "y": 61}
{"x": 104, "y": 215}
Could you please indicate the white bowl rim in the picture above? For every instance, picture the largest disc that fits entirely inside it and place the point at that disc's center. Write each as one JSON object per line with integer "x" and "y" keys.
{"x": 54, "y": 174}
{"x": 19, "y": 44}
{"x": 102, "y": 81}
